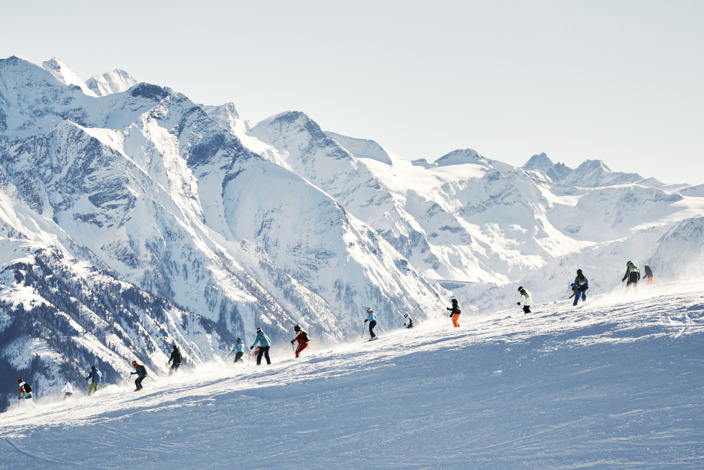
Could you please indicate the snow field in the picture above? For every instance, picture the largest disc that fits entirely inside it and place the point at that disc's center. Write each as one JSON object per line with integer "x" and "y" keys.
{"x": 604, "y": 385}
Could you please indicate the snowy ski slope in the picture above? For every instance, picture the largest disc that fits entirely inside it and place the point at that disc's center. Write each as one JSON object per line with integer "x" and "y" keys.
{"x": 614, "y": 383}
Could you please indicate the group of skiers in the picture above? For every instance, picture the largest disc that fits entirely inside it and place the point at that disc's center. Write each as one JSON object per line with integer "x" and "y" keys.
{"x": 581, "y": 284}
{"x": 263, "y": 343}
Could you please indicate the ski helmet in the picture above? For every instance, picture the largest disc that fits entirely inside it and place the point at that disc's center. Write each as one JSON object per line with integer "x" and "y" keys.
{"x": 239, "y": 339}
{"x": 259, "y": 330}
{"x": 369, "y": 310}
{"x": 134, "y": 363}
{"x": 19, "y": 381}
{"x": 296, "y": 328}
{"x": 629, "y": 263}
{"x": 579, "y": 272}
{"x": 520, "y": 288}
{"x": 405, "y": 314}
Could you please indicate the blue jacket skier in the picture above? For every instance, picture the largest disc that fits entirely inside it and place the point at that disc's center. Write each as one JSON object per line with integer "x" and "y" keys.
{"x": 141, "y": 372}
{"x": 238, "y": 349}
{"x": 580, "y": 286}
{"x": 96, "y": 377}
{"x": 371, "y": 318}
{"x": 264, "y": 343}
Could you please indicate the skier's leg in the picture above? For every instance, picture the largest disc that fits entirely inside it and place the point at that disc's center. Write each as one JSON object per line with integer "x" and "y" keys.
{"x": 372, "y": 324}
{"x": 301, "y": 347}
{"x": 456, "y": 320}
{"x": 526, "y": 309}
{"x": 266, "y": 354}
{"x": 259, "y": 356}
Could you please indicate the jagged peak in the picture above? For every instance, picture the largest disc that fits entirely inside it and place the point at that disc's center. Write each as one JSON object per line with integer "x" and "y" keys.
{"x": 462, "y": 156}
{"x": 362, "y": 148}
{"x": 539, "y": 161}
{"x": 591, "y": 165}
{"x": 65, "y": 75}
{"x": 115, "y": 81}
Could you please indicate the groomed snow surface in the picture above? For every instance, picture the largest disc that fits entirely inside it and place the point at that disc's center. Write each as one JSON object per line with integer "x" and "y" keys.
{"x": 615, "y": 383}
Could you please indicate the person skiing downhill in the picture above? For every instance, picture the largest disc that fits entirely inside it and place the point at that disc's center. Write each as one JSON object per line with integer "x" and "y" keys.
{"x": 68, "y": 389}
{"x": 95, "y": 377}
{"x": 580, "y": 286}
{"x": 455, "y": 312}
{"x": 525, "y": 296}
{"x": 25, "y": 390}
{"x": 176, "y": 358}
{"x": 407, "y": 321}
{"x": 648, "y": 274}
{"x": 302, "y": 339}
{"x": 238, "y": 349}
{"x": 264, "y": 344}
{"x": 371, "y": 318}
{"x": 633, "y": 276}
{"x": 141, "y": 372}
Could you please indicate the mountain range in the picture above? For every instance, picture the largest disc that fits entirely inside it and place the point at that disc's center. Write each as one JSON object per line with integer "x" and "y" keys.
{"x": 132, "y": 219}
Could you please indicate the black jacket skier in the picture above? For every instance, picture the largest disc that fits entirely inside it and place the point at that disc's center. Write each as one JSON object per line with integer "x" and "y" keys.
{"x": 141, "y": 372}
{"x": 633, "y": 275}
{"x": 176, "y": 358}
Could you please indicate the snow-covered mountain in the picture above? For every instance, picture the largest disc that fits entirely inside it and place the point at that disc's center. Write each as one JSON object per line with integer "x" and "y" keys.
{"x": 229, "y": 226}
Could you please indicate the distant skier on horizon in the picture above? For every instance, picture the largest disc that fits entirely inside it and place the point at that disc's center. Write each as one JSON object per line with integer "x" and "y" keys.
{"x": 264, "y": 343}
{"x": 302, "y": 338}
{"x": 371, "y": 318}
{"x": 455, "y": 312}
{"x": 525, "y": 297}
{"x": 648, "y": 274}
{"x": 633, "y": 276}
{"x": 580, "y": 286}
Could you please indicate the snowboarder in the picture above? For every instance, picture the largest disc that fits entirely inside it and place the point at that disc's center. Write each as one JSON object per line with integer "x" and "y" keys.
{"x": 633, "y": 276}
{"x": 580, "y": 286}
{"x": 25, "y": 390}
{"x": 141, "y": 372}
{"x": 407, "y": 321}
{"x": 455, "y": 312}
{"x": 525, "y": 296}
{"x": 238, "y": 349}
{"x": 649, "y": 274}
{"x": 68, "y": 389}
{"x": 302, "y": 339}
{"x": 95, "y": 378}
{"x": 176, "y": 358}
{"x": 264, "y": 343}
{"x": 371, "y": 318}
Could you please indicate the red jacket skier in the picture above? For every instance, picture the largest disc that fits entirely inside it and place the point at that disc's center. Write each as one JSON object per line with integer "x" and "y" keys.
{"x": 302, "y": 339}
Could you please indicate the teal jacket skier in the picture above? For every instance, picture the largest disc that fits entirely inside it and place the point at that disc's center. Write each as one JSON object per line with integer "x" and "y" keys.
{"x": 264, "y": 343}
{"x": 371, "y": 318}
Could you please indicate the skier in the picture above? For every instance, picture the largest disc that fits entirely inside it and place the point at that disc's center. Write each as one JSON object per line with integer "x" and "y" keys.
{"x": 407, "y": 321}
{"x": 176, "y": 358}
{"x": 68, "y": 389}
{"x": 455, "y": 312}
{"x": 238, "y": 349}
{"x": 95, "y": 378}
{"x": 649, "y": 274}
{"x": 580, "y": 286}
{"x": 525, "y": 296}
{"x": 302, "y": 339}
{"x": 264, "y": 344}
{"x": 633, "y": 275}
{"x": 141, "y": 372}
{"x": 25, "y": 390}
{"x": 371, "y": 318}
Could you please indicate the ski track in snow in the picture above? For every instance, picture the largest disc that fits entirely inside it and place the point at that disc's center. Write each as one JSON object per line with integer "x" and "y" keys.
{"x": 606, "y": 384}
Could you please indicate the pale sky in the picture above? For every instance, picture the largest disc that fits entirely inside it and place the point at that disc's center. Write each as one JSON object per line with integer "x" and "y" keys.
{"x": 616, "y": 80}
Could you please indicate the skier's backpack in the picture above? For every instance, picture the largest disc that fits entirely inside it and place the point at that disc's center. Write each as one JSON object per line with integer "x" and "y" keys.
{"x": 305, "y": 336}
{"x": 27, "y": 388}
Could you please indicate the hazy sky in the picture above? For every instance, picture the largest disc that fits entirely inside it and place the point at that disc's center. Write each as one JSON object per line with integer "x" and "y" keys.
{"x": 621, "y": 81}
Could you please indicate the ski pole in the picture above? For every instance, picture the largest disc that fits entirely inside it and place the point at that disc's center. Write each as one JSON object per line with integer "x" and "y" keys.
{"x": 364, "y": 327}
{"x": 294, "y": 349}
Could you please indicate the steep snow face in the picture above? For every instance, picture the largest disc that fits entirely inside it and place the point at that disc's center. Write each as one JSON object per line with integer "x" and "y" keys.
{"x": 108, "y": 83}
{"x": 362, "y": 148}
{"x": 595, "y": 173}
{"x": 679, "y": 253}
